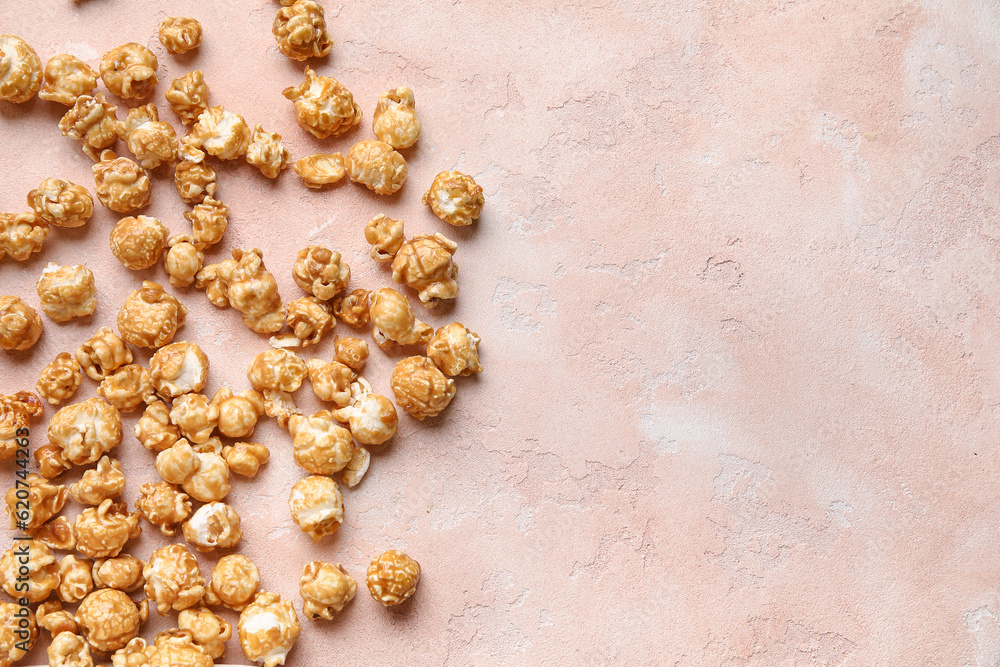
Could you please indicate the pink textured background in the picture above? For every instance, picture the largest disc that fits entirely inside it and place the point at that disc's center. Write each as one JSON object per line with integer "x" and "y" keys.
{"x": 736, "y": 284}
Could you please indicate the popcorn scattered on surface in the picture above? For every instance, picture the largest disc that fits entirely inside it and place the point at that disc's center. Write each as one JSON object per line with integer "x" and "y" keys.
{"x": 321, "y": 169}
{"x": 179, "y": 34}
{"x": 455, "y": 198}
{"x": 376, "y": 165}
{"x": 188, "y": 96}
{"x": 20, "y": 324}
{"x": 392, "y": 577}
{"x": 163, "y": 506}
{"x": 121, "y": 184}
{"x": 66, "y": 78}
{"x": 300, "y": 29}
{"x": 424, "y": 263}
{"x": 20, "y": 70}
{"x": 421, "y": 388}
{"x": 92, "y": 122}
{"x": 150, "y": 317}
{"x": 61, "y": 203}
{"x": 395, "y": 120}
{"x": 326, "y": 589}
{"x": 393, "y": 320}
{"x": 317, "y": 506}
{"x": 129, "y": 71}
{"x": 109, "y": 620}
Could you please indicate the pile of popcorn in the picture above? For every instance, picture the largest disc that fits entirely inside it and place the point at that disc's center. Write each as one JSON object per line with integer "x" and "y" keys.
{"x": 182, "y": 427}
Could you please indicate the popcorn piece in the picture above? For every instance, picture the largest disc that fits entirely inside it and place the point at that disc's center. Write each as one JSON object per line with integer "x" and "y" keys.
{"x": 151, "y": 140}
{"x": 67, "y": 292}
{"x": 183, "y": 260}
{"x": 246, "y": 285}
{"x": 376, "y": 165}
{"x": 75, "y": 580}
{"x": 69, "y": 650}
{"x": 210, "y": 482}
{"x": 20, "y": 325}
{"x": 177, "y": 464}
{"x": 301, "y": 31}
{"x": 326, "y": 589}
{"x": 278, "y": 370}
{"x": 170, "y": 647}
{"x": 173, "y": 580}
{"x": 268, "y": 627}
{"x": 372, "y": 418}
{"x": 321, "y": 272}
{"x": 180, "y": 34}
{"x": 108, "y": 619}
{"x": 277, "y": 404}
{"x": 392, "y": 577}
{"x": 393, "y": 320}
{"x": 178, "y": 368}
{"x": 357, "y": 467}
{"x": 150, "y": 317}
{"x": 92, "y": 122}
{"x": 235, "y": 580}
{"x": 103, "y": 354}
{"x": 21, "y": 70}
{"x": 50, "y": 461}
{"x": 455, "y": 198}
{"x": 104, "y": 482}
{"x": 40, "y": 572}
{"x": 122, "y": 185}
{"x": 51, "y": 617}
{"x": 195, "y": 416}
{"x": 238, "y": 413}
{"x": 193, "y": 178}
{"x": 188, "y": 96}
{"x": 220, "y": 133}
{"x": 320, "y": 169}
{"x": 267, "y": 153}
{"x": 246, "y": 458}
{"x": 208, "y": 631}
{"x": 323, "y": 107}
{"x": 420, "y": 388}
{"x": 320, "y": 446}
{"x": 331, "y": 381}
{"x": 103, "y": 531}
{"x": 395, "y": 120}
{"x": 21, "y": 235}
{"x": 56, "y": 534}
{"x": 353, "y": 308}
{"x": 86, "y": 431}
{"x": 123, "y": 573}
{"x": 59, "y": 379}
{"x": 352, "y": 352}
{"x": 128, "y": 388}
{"x": 163, "y": 506}
{"x": 66, "y": 78}
{"x": 317, "y": 506}
{"x": 385, "y": 236}
{"x": 61, "y": 203}
{"x": 213, "y": 526}
{"x": 16, "y": 410}
{"x": 309, "y": 319}
{"x": 138, "y": 242}
{"x": 129, "y": 71}
{"x": 425, "y": 264}
{"x": 154, "y": 430}
{"x": 36, "y": 504}
{"x": 209, "y": 221}
{"x": 15, "y": 645}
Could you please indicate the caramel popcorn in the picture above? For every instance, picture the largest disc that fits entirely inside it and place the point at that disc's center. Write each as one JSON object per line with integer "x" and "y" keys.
{"x": 108, "y": 619}
{"x": 395, "y": 121}
{"x": 180, "y": 34}
{"x": 103, "y": 354}
{"x": 325, "y": 589}
{"x": 208, "y": 631}
{"x": 238, "y": 413}
{"x": 213, "y": 526}
{"x": 267, "y": 153}
{"x": 372, "y": 417}
{"x": 51, "y": 617}
{"x": 177, "y": 464}
{"x": 352, "y": 352}
{"x": 102, "y": 531}
{"x": 104, "y": 482}
{"x": 320, "y": 169}
{"x": 385, "y": 236}
{"x": 21, "y": 235}
{"x": 150, "y": 317}
{"x": 220, "y": 133}
{"x": 195, "y": 416}
{"x": 353, "y": 308}
{"x": 123, "y": 573}
{"x": 92, "y": 122}
{"x": 356, "y": 467}
{"x": 331, "y": 381}
{"x": 277, "y": 404}
{"x": 183, "y": 260}
{"x": 128, "y": 388}
{"x": 57, "y": 534}
{"x": 323, "y": 107}
{"x": 455, "y": 198}
{"x": 86, "y": 431}
{"x": 420, "y": 388}
{"x": 246, "y": 458}
{"x": 393, "y": 320}
{"x": 309, "y": 319}
{"x": 122, "y": 185}
{"x": 425, "y": 264}
{"x": 61, "y": 203}
{"x": 193, "y": 178}
{"x": 69, "y": 650}
{"x": 301, "y": 31}
{"x": 234, "y": 584}
{"x": 188, "y": 96}
{"x": 209, "y": 221}
{"x": 20, "y": 325}
{"x": 35, "y": 505}
{"x": 67, "y": 292}
{"x": 246, "y": 285}
{"x": 376, "y": 165}
{"x": 392, "y": 577}
{"x": 50, "y": 461}
{"x": 320, "y": 446}
{"x": 40, "y": 573}
{"x": 67, "y": 77}
{"x": 170, "y": 648}
{"x": 173, "y": 580}
{"x": 129, "y": 71}
{"x": 21, "y": 70}
{"x": 138, "y": 242}
{"x": 16, "y": 410}
{"x": 14, "y": 646}
{"x": 210, "y": 482}
{"x": 163, "y": 506}
{"x": 75, "y": 580}
{"x": 268, "y": 627}
{"x": 178, "y": 368}
{"x": 154, "y": 430}
{"x": 278, "y": 370}
{"x": 151, "y": 140}
{"x": 317, "y": 506}
{"x": 321, "y": 272}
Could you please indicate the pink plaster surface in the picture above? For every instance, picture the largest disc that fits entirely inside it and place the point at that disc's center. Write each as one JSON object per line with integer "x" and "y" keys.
{"x": 736, "y": 283}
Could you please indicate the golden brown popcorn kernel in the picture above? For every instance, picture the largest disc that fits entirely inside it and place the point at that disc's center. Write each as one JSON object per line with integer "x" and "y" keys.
{"x": 455, "y": 350}
{"x": 50, "y": 461}
{"x": 183, "y": 260}
{"x": 21, "y": 235}
{"x": 67, "y": 77}
{"x": 154, "y": 430}
{"x": 353, "y": 308}
{"x": 246, "y": 458}
{"x": 75, "y": 580}
{"x": 309, "y": 319}
{"x": 128, "y": 388}
{"x": 122, "y": 185}
{"x": 420, "y": 388}
{"x": 209, "y": 221}
{"x": 173, "y": 580}
{"x": 326, "y": 589}
{"x": 129, "y": 71}
{"x": 385, "y": 236}
{"x": 20, "y": 325}
{"x": 213, "y": 526}
{"x": 277, "y": 404}
{"x": 163, "y": 506}
{"x": 56, "y": 534}
{"x": 208, "y": 631}
{"x": 267, "y": 153}
{"x": 425, "y": 264}
{"x": 180, "y": 34}
{"x": 330, "y": 380}
{"x": 138, "y": 242}
{"x": 321, "y": 272}
{"x": 102, "y": 531}
{"x": 177, "y": 464}
{"x": 150, "y": 317}
{"x": 234, "y": 584}
{"x": 300, "y": 29}
{"x": 16, "y": 410}
{"x": 245, "y": 283}
{"x": 123, "y": 573}
{"x": 238, "y": 413}
{"x": 91, "y": 121}
{"x": 67, "y": 292}
{"x": 188, "y": 96}
{"x": 320, "y": 446}
{"x": 195, "y": 416}
{"x": 108, "y": 619}
{"x": 372, "y": 417}
{"x": 14, "y": 646}
{"x": 210, "y": 482}
{"x": 86, "y": 431}
{"x": 455, "y": 198}
{"x": 43, "y": 502}
{"x": 320, "y": 169}
{"x": 278, "y": 370}
{"x": 150, "y": 139}
{"x": 395, "y": 120}
{"x": 352, "y": 352}
{"x": 178, "y": 368}
{"x": 193, "y": 178}
{"x": 357, "y": 467}
{"x": 21, "y": 70}
{"x": 106, "y": 481}
{"x": 393, "y": 320}
{"x": 39, "y": 573}
{"x": 392, "y": 577}
{"x": 59, "y": 379}
{"x": 323, "y": 107}
{"x": 376, "y": 165}
{"x": 317, "y": 506}
{"x": 220, "y": 133}
{"x": 103, "y": 354}
{"x": 61, "y": 203}
{"x": 51, "y": 617}
{"x": 69, "y": 650}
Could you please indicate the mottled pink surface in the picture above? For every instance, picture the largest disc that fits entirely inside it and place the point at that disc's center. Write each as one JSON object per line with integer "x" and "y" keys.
{"x": 736, "y": 284}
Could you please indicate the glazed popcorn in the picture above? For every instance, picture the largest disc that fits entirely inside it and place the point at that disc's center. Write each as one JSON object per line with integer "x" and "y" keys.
{"x": 61, "y": 203}
{"x": 425, "y": 264}
{"x": 51, "y": 617}
{"x": 323, "y": 107}
{"x": 16, "y": 410}
{"x": 317, "y": 506}
{"x": 213, "y": 526}
{"x": 193, "y": 178}
{"x": 195, "y": 416}
{"x": 246, "y": 458}
{"x": 44, "y": 501}
{"x": 331, "y": 381}
{"x": 138, "y": 242}
{"x": 170, "y": 648}
{"x": 123, "y": 573}
{"x": 320, "y": 446}
{"x": 69, "y": 650}
{"x": 208, "y": 631}
{"x": 12, "y": 645}
{"x": 92, "y": 122}
{"x": 209, "y": 221}
{"x": 321, "y": 169}
{"x": 129, "y": 71}
{"x": 177, "y": 464}
{"x": 183, "y": 260}
{"x": 59, "y": 379}
{"x": 66, "y": 78}
{"x": 67, "y": 292}
{"x": 235, "y": 580}
{"x": 154, "y": 430}
{"x": 85, "y": 431}
{"x": 352, "y": 352}
{"x": 267, "y": 153}
{"x": 173, "y": 580}
{"x": 325, "y": 589}
{"x": 455, "y": 198}
{"x": 180, "y": 34}
{"x": 102, "y": 531}
{"x": 376, "y": 165}
{"x": 353, "y": 308}
{"x": 393, "y": 320}
{"x": 238, "y": 413}
{"x": 309, "y": 319}
{"x": 128, "y": 388}
{"x": 220, "y": 133}
{"x": 278, "y": 370}
{"x": 188, "y": 96}
{"x": 150, "y": 317}
{"x": 108, "y": 619}
{"x": 21, "y": 70}
{"x": 301, "y": 31}
{"x": 392, "y": 577}
{"x": 57, "y": 534}
{"x": 103, "y": 354}
{"x": 356, "y": 467}
{"x": 21, "y": 235}
{"x": 105, "y": 482}
{"x": 455, "y": 350}
{"x": 75, "y": 580}
{"x": 420, "y": 388}
{"x": 321, "y": 272}
{"x": 122, "y": 185}
{"x": 151, "y": 140}
{"x": 395, "y": 121}
{"x": 385, "y": 236}
{"x": 372, "y": 418}
{"x": 268, "y": 629}
{"x": 49, "y": 460}
{"x": 178, "y": 368}
{"x": 41, "y": 578}
{"x": 163, "y": 506}
{"x": 20, "y": 325}
{"x": 210, "y": 482}
{"x": 244, "y": 283}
